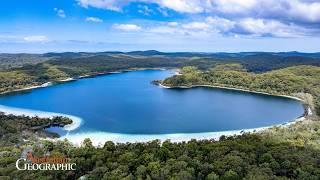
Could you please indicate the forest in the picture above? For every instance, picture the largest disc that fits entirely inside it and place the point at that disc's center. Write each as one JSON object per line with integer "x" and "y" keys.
{"x": 13, "y": 129}
{"x": 287, "y": 81}
{"x": 279, "y": 153}
{"x": 25, "y": 70}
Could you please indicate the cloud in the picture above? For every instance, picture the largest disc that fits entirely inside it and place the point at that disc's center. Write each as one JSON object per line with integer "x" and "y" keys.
{"x": 163, "y": 11}
{"x": 185, "y": 6}
{"x": 173, "y": 23}
{"x": 93, "y": 19}
{"x": 8, "y": 38}
{"x": 243, "y": 17}
{"x": 189, "y": 6}
{"x": 38, "y": 38}
{"x": 289, "y": 10}
{"x": 167, "y": 30}
{"x": 114, "y": 5}
{"x": 263, "y": 27}
{"x": 143, "y": 9}
{"x": 127, "y": 27}
{"x": 220, "y": 24}
{"x": 60, "y": 12}
{"x": 197, "y": 26}
{"x": 211, "y": 26}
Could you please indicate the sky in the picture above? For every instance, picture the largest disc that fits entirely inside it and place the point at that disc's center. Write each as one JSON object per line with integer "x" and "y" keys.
{"x": 38, "y": 26}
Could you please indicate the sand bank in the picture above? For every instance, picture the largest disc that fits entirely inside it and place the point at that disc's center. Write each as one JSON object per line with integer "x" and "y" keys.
{"x": 76, "y": 121}
{"x": 99, "y": 138}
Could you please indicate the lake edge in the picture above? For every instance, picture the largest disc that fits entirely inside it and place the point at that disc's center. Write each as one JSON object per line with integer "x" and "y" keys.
{"x": 228, "y": 131}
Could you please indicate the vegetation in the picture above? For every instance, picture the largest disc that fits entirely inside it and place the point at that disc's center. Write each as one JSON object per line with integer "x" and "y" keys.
{"x": 8, "y": 61}
{"x": 279, "y": 153}
{"x": 276, "y": 154}
{"x": 288, "y": 81}
{"x": 25, "y": 70}
{"x": 63, "y": 68}
{"x": 268, "y": 62}
{"x": 15, "y": 128}
{"x": 252, "y": 61}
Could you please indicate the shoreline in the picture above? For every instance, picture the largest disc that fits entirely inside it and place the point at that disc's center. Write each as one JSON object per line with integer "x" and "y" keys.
{"x": 235, "y": 89}
{"x": 49, "y": 83}
{"x": 101, "y": 137}
{"x": 76, "y": 121}
{"x": 98, "y": 138}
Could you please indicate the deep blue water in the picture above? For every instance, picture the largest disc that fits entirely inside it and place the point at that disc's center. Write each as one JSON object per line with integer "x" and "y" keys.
{"x": 129, "y": 103}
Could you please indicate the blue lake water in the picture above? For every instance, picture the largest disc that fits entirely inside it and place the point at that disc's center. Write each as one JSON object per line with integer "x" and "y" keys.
{"x": 128, "y": 103}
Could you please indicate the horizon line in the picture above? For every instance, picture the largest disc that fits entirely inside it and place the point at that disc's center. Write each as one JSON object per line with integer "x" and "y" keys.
{"x": 197, "y": 52}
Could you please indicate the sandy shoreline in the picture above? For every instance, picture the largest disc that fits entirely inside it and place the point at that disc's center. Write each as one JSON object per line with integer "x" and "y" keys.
{"x": 27, "y": 88}
{"x": 98, "y": 138}
{"x": 76, "y": 121}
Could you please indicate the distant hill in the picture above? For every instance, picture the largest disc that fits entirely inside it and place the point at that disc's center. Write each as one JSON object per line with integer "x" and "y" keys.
{"x": 252, "y": 61}
{"x": 17, "y": 60}
{"x": 267, "y": 62}
{"x": 185, "y": 54}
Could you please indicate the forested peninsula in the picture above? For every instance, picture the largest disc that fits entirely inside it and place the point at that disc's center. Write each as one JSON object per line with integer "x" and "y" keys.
{"x": 290, "y": 152}
{"x": 292, "y": 81}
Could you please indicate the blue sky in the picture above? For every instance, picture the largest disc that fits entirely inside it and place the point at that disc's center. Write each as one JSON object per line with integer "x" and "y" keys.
{"x": 166, "y": 25}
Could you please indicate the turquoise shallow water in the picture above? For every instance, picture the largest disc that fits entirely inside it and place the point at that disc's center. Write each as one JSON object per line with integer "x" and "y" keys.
{"x": 128, "y": 103}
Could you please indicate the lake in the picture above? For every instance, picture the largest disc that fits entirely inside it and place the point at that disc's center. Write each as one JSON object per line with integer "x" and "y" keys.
{"x": 127, "y": 103}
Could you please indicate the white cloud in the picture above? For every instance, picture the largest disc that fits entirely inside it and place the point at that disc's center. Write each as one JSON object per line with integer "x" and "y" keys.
{"x": 173, "y": 23}
{"x": 93, "y": 19}
{"x": 127, "y": 27}
{"x": 38, "y": 38}
{"x": 185, "y": 6}
{"x": 114, "y": 5}
{"x": 60, "y": 12}
{"x": 263, "y": 27}
{"x": 212, "y": 26}
{"x": 305, "y": 11}
{"x": 220, "y": 24}
{"x": 290, "y": 10}
{"x": 278, "y": 18}
{"x": 167, "y": 30}
{"x": 8, "y": 38}
{"x": 197, "y": 26}
{"x": 143, "y": 9}
{"x": 163, "y": 11}
{"x": 233, "y": 6}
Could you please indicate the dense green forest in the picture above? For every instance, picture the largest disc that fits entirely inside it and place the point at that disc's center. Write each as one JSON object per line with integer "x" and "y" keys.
{"x": 14, "y": 128}
{"x": 291, "y": 152}
{"x": 288, "y": 81}
{"x": 33, "y": 70}
{"x": 8, "y": 61}
{"x": 280, "y": 153}
{"x": 62, "y": 68}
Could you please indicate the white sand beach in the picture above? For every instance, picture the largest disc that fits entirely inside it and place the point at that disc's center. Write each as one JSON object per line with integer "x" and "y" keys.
{"x": 66, "y": 80}
{"x": 76, "y": 121}
{"x": 99, "y": 138}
